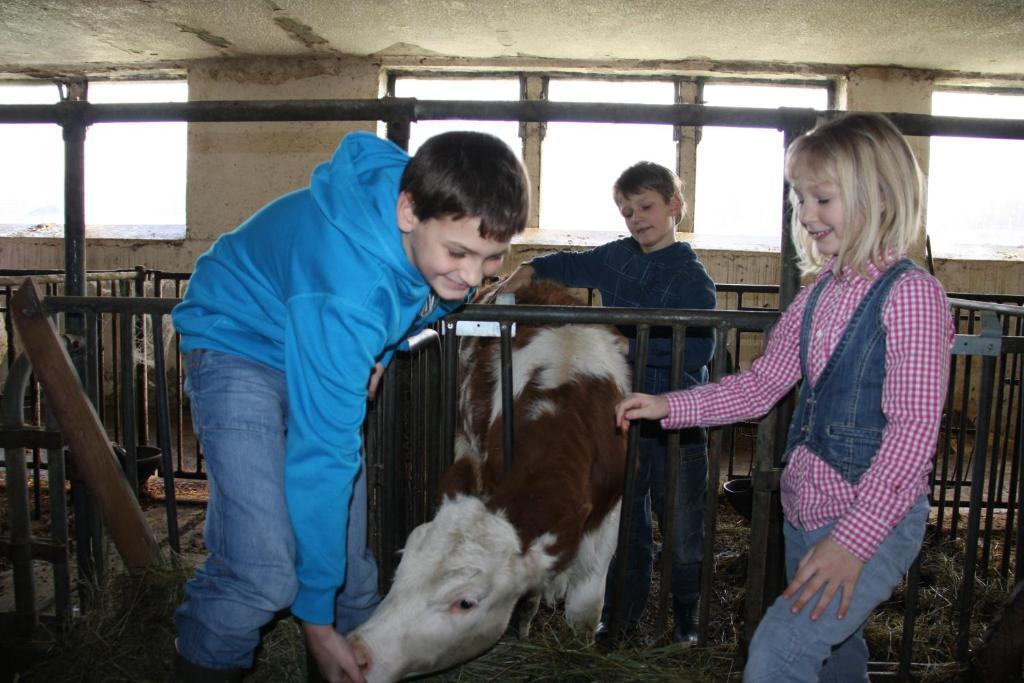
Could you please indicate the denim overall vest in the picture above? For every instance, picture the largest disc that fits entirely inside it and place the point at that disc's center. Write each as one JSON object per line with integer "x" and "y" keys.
{"x": 839, "y": 418}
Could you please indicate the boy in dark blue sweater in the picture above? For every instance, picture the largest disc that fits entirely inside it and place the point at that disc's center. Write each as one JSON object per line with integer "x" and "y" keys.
{"x": 650, "y": 269}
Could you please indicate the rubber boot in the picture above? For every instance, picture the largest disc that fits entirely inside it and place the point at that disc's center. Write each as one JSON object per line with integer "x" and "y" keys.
{"x": 685, "y": 630}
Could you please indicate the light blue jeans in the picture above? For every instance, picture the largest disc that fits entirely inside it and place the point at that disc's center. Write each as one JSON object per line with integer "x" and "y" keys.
{"x": 240, "y": 414}
{"x": 791, "y": 647}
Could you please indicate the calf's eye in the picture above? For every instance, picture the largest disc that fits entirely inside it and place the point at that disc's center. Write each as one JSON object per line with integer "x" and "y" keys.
{"x": 463, "y": 605}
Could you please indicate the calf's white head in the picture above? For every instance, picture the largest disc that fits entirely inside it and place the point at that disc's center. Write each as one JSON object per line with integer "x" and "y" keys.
{"x": 459, "y": 579}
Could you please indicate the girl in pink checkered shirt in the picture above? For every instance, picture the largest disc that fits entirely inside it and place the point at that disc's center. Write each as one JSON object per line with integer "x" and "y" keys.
{"x": 870, "y": 337}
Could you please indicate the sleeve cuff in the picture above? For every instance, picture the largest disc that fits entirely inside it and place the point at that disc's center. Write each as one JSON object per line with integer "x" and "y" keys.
{"x": 683, "y": 410}
{"x": 860, "y": 535}
{"x": 314, "y": 606}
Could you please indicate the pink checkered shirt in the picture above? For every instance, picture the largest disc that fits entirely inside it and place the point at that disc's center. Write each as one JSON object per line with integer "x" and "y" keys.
{"x": 919, "y": 331}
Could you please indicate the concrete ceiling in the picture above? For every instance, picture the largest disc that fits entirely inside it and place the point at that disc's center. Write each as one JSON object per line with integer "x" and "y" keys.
{"x": 47, "y": 38}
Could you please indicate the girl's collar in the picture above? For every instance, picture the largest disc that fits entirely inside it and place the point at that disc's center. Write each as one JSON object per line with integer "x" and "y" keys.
{"x": 849, "y": 274}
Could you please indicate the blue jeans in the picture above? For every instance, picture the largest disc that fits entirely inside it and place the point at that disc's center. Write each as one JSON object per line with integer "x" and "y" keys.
{"x": 688, "y": 545}
{"x": 240, "y": 414}
{"x": 791, "y": 647}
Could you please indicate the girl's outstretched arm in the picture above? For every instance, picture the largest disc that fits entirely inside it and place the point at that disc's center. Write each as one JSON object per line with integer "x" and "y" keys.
{"x": 640, "y": 407}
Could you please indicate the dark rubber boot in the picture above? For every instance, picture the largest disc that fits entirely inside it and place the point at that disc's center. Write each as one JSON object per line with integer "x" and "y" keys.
{"x": 685, "y": 630}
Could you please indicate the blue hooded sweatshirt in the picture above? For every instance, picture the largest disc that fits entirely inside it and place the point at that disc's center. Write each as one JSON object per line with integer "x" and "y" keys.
{"x": 317, "y": 285}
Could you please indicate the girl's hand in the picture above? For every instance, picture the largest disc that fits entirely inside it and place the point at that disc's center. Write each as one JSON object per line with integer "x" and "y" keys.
{"x": 827, "y": 565}
{"x": 640, "y": 407}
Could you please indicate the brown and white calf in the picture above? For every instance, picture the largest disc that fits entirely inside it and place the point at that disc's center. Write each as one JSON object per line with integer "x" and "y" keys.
{"x": 546, "y": 528}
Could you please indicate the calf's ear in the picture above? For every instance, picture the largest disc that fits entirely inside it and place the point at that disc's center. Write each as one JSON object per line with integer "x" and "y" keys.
{"x": 535, "y": 562}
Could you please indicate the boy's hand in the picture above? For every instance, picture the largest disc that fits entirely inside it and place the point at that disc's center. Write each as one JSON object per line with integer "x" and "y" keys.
{"x": 375, "y": 376}
{"x": 640, "y": 407}
{"x": 519, "y": 277}
{"x": 828, "y": 565}
{"x": 332, "y": 653}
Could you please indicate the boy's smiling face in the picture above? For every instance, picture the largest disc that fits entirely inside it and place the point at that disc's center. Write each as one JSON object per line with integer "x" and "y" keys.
{"x": 650, "y": 219}
{"x": 449, "y": 252}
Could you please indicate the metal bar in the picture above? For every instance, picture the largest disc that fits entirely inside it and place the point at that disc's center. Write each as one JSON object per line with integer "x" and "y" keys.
{"x": 668, "y": 520}
{"x": 622, "y": 316}
{"x": 163, "y": 435}
{"x": 20, "y": 547}
{"x": 129, "y": 426}
{"x": 507, "y": 408}
{"x": 966, "y": 593}
{"x": 789, "y": 278}
{"x": 533, "y": 111}
{"x": 74, "y": 208}
{"x": 392, "y": 508}
{"x": 994, "y": 470}
{"x": 629, "y": 481}
{"x": 59, "y": 531}
{"x": 451, "y": 360}
{"x": 715, "y": 447}
{"x": 430, "y": 357}
{"x": 909, "y": 619}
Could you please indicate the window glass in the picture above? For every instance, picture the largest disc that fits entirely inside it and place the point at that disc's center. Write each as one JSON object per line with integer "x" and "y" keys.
{"x": 974, "y": 184}
{"x": 581, "y": 161}
{"x": 33, "y": 173}
{"x": 134, "y": 172}
{"x": 739, "y": 180}
{"x": 487, "y": 89}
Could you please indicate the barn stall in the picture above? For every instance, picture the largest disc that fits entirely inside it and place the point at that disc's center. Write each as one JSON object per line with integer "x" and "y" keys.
{"x": 122, "y": 347}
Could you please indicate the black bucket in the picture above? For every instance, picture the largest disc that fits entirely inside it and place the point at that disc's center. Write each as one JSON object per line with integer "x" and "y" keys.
{"x": 740, "y": 494}
{"x": 147, "y": 461}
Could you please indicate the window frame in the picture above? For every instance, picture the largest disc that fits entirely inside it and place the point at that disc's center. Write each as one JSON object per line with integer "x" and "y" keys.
{"x": 688, "y": 89}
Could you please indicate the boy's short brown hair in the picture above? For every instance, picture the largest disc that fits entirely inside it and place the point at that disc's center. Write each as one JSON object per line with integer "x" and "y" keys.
{"x": 647, "y": 175}
{"x": 467, "y": 174}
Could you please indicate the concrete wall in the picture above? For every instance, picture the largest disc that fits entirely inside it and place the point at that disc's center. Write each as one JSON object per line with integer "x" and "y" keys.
{"x": 234, "y": 168}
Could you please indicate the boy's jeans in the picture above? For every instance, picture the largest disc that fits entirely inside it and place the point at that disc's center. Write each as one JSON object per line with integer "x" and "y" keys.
{"x": 691, "y": 491}
{"x": 791, "y": 647}
{"x": 240, "y": 413}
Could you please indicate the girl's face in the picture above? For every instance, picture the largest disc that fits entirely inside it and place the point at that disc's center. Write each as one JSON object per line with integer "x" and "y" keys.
{"x": 649, "y": 218}
{"x": 821, "y": 209}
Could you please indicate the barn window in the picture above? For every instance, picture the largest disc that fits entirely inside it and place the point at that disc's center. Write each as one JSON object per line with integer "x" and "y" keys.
{"x": 33, "y": 174}
{"x": 974, "y": 197}
{"x": 580, "y": 161}
{"x": 739, "y": 170}
{"x": 135, "y": 172}
{"x": 488, "y": 89}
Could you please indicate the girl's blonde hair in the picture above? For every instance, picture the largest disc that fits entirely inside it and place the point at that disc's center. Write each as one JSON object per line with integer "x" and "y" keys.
{"x": 879, "y": 182}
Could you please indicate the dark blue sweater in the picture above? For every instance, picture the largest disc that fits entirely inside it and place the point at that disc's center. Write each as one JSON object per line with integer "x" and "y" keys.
{"x": 625, "y": 276}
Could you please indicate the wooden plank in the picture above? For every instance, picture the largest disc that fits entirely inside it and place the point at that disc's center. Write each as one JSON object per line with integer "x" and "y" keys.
{"x": 88, "y": 442}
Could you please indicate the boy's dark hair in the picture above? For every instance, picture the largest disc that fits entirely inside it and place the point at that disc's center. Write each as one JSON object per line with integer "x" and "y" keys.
{"x": 462, "y": 173}
{"x": 647, "y": 175}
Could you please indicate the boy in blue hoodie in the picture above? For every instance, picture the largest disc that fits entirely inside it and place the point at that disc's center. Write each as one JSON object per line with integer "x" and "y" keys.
{"x": 650, "y": 269}
{"x": 286, "y": 325}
